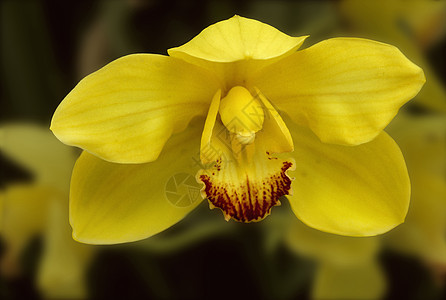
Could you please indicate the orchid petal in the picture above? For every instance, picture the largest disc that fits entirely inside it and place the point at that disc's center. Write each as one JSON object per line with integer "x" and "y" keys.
{"x": 116, "y": 203}
{"x": 346, "y": 90}
{"x": 126, "y": 111}
{"x": 357, "y": 191}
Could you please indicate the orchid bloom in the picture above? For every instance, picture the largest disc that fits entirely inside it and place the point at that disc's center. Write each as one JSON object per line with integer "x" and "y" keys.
{"x": 138, "y": 121}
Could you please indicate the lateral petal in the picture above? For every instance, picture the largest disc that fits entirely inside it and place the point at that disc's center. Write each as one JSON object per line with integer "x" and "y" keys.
{"x": 356, "y": 191}
{"x": 126, "y": 111}
{"x": 345, "y": 89}
{"x": 116, "y": 203}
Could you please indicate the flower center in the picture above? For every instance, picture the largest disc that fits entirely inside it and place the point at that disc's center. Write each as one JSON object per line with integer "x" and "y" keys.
{"x": 241, "y": 175}
{"x": 242, "y": 114}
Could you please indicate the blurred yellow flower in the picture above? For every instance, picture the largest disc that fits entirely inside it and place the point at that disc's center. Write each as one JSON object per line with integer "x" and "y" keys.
{"x": 41, "y": 208}
{"x": 133, "y": 118}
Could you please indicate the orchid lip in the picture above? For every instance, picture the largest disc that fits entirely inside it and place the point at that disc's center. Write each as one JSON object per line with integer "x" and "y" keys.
{"x": 245, "y": 180}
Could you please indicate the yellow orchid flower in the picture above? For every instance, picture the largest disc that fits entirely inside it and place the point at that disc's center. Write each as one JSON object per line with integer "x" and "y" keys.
{"x": 136, "y": 120}
{"x": 41, "y": 208}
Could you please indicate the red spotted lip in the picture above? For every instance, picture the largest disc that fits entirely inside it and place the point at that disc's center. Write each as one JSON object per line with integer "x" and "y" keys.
{"x": 252, "y": 200}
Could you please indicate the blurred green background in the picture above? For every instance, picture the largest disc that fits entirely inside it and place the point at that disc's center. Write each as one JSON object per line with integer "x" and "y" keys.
{"x": 48, "y": 46}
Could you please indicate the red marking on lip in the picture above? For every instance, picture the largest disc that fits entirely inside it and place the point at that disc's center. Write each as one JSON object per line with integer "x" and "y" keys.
{"x": 253, "y": 199}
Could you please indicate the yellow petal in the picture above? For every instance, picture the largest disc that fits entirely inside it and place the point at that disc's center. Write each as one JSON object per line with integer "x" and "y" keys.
{"x": 207, "y": 152}
{"x": 363, "y": 281}
{"x": 245, "y": 181}
{"x": 126, "y": 111}
{"x": 36, "y": 149}
{"x": 345, "y": 89}
{"x": 278, "y": 136}
{"x": 237, "y": 38}
{"x": 117, "y": 203}
{"x": 359, "y": 191}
